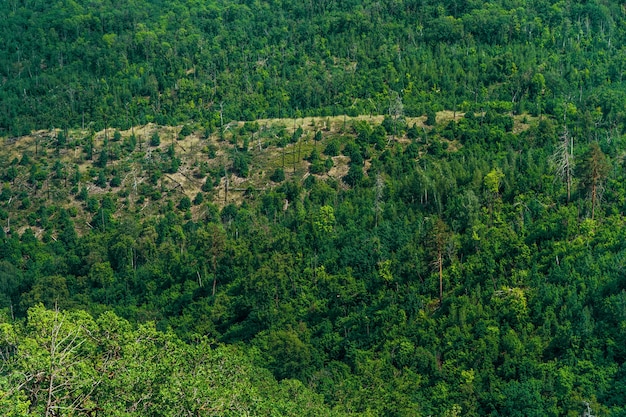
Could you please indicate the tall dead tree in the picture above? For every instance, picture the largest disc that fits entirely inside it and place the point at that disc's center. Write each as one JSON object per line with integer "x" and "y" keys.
{"x": 563, "y": 159}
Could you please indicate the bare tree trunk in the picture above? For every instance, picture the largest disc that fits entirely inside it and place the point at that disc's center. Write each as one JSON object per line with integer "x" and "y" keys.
{"x": 440, "y": 262}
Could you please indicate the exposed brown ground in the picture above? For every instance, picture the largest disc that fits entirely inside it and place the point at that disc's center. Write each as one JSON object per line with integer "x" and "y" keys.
{"x": 192, "y": 151}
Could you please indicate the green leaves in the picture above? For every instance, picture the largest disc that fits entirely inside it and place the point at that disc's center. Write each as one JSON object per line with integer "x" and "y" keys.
{"x": 493, "y": 181}
{"x": 324, "y": 221}
{"x": 593, "y": 169}
{"x": 70, "y": 364}
{"x": 54, "y": 368}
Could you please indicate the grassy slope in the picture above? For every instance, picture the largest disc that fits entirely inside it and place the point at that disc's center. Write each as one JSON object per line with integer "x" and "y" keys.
{"x": 192, "y": 150}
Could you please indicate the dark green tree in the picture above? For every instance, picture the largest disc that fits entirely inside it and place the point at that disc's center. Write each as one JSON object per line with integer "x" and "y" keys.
{"x": 593, "y": 169}
{"x": 155, "y": 139}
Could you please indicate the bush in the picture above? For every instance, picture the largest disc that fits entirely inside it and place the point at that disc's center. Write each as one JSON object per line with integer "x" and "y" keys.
{"x": 101, "y": 181}
{"x": 185, "y": 203}
{"x": 155, "y": 139}
{"x": 25, "y": 204}
{"x": 208, "y": 184}
{"x": 332, "y": 148}
{"x": 315, "y": 156}
{"x": 210, "y": 150}
{"x": 317, "y": 167}
{"x": 92, "y": 204}
{"x": 296, "y": 135}
{"x": 278, "y": 175}
{"x": 388, "y": 125}
{"x": 240, "y": 165}
{"x": 184, "y": 132}
{"x": 130, "y": 143}
{"x": 431, "y": 117}
{"x": 354, "y": 175}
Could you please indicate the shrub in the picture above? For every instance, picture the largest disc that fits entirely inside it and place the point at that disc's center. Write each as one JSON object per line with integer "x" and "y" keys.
{"x": 278, "y": 175}
{"x": 185, "y": 203}
{"x": 155, "y": 139}
{"x": 332, "y": 148}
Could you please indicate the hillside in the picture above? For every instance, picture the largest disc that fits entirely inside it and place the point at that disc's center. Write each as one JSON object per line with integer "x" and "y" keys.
{"x": 362, "y": 208}
{"x": 123, "y": 63}
{"x": 453, "y": 268}
{"x": 66, "y": 168}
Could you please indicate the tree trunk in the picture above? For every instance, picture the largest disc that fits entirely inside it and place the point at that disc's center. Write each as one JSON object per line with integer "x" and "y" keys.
{"x": 440, "y": 262}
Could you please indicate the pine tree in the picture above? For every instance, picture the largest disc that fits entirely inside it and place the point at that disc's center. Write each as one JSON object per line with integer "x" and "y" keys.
{"x": 593, "y": 170}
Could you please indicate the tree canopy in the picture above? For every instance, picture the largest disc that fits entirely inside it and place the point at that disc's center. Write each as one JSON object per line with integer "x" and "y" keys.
{"x": 336, "y": 208}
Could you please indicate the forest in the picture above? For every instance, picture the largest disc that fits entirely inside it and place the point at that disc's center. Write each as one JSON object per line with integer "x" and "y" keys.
{"x": 400, "y": 208}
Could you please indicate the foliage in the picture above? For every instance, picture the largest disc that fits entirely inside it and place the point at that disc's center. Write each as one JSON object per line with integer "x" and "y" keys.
{"x": 438, "y": 272}
{"x": 189, "y": 62}
{"x": 71, "y": 363}
{"x": 278, "y": 175}
{"x": 155, "y": 139}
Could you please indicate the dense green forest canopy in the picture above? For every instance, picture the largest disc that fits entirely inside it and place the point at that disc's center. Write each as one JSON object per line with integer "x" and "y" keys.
{"x": 80, "y": 63}
{"x": 431, "y": 224}
{"x": 474, "y": 269}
